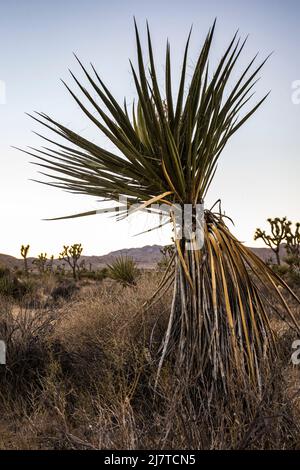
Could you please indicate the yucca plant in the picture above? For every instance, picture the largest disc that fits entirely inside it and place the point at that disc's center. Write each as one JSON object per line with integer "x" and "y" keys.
{"x": 124, "y": 270}
{"x": 168, "y": 147}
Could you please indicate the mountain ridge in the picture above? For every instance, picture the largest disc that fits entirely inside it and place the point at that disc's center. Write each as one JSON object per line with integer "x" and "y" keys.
{"x": 145, "y": 257}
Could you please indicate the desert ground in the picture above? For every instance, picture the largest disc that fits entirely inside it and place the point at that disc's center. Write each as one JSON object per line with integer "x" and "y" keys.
{"x": 81, "y": 368}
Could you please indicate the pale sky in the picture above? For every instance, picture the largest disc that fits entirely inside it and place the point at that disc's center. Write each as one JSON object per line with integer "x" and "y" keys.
{"x": 258, "y": 173}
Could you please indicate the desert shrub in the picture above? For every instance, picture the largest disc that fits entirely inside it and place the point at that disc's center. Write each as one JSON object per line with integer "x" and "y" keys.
{"x": 4, "y": 271}
{"x": 98, "y": 275}
{"x": 26, "y": 334}
{"x": 123, "y": 270}
{"x": 289, "y": 271}
{"x": 65, "y": 290}
{"x": 14, "y": 287}
{"x": 293, "y": 279}
{"x": 281, "y": 269}
{"x": 18, "y": 272}
{"x": 6, "y": 286}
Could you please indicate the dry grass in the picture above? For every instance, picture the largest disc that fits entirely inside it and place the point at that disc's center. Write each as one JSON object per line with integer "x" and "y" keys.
{"x": 80, "y": 375}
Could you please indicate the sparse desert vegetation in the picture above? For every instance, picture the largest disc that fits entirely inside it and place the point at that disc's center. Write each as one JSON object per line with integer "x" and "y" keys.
{"x": 81, "y": 370}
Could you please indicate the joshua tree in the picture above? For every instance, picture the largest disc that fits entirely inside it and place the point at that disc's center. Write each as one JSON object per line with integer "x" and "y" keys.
{"x": 293, "y": 250}
{"x": 168, "y": 256}
{"x": 71, "y": 254}
{"x": 293, "y": 241}
{"x": 49, "y": 266}
{"x": 24, "y": 254}
{"x": 280, "y": 228}
{"x": 168, "y": 150}
{"x": 82, "y": 267}
{"x": 41, "y": 262}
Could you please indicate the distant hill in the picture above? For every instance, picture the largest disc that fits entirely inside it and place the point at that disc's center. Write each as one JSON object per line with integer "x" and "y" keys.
{"x": 10, "y": 261}
{"x": 146, "y": 257}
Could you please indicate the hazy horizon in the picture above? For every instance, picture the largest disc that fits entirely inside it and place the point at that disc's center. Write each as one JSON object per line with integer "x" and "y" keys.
{"x": 258, "y": 172}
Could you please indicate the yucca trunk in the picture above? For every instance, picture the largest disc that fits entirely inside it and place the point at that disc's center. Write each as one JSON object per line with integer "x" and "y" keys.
{"x": 219, "y": 329}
